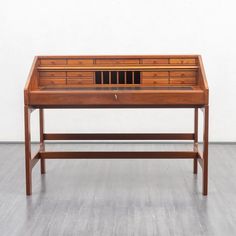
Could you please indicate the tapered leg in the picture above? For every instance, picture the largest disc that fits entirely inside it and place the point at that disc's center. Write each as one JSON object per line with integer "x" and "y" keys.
{"x": 205, "y": 150}
{"x": 42, "y": 144}
{"x": 28, "y": 168}
{"x": 195, "y": 139}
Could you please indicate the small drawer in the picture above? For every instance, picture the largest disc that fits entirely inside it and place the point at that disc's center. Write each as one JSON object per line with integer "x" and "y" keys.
{"x": 52, "y": 74}
{"x": 117, "y": 61}
{"x": 155, "y": 61}
{"x": 80, "y": 74}
{"x": 79, "y": 81}
{"x": 183, "y": 61}
{"x": 186, "y": 81}
{"x": 53, "y": 62}
{"x": 155, "y": 74}
{"x": 85, "y": 62}
{"x": 155, "y": 81}
{"x": 54, "y": 81}
{"x": 183, "y": 74}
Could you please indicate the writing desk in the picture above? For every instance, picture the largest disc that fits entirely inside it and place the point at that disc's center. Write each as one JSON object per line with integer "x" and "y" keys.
{"x": 147, "y": 81}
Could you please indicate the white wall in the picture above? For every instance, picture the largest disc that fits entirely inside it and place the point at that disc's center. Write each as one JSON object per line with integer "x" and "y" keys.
{"x": 29, "y": 28}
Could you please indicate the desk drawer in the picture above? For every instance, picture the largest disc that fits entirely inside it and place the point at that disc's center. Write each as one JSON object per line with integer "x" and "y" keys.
{"x": 185, "y": 81}
{"x": 115, "y": 99}
{"x": 117, "y": 61}
{"x": 183, "y": 74}
{"x": 183, "y": 61}
{"x": 79, "y": 81}
{"x": 77, "y": 62}
{"x": 155, "y": 81}
{"x": 53, "y": 61}
{"x": 155, "y": 61}
{"x": 80, "y": 74}
{"x": 155, "y": 74}
{"x": 54, "y": 81}
{"x": 52, "y": 74}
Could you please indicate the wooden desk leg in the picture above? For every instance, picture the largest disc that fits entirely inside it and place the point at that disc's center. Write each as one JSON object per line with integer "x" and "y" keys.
{"x": 195, "y": 139}
{"x": 28, "y": 167}
{"x": 42, "y": 144}
{"x": 205, "y": 150}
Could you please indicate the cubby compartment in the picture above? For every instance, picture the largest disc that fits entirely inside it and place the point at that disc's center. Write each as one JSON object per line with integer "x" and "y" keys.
{"x": 121, "y": 79}
{"x": 117, "y": 77}
{"x": 98, "y": 77}
{"x": 129, "y": 77}
{"x": 114, "y": 77}
{"x": 137, "y": 77}
{"x": 106, "y": 79}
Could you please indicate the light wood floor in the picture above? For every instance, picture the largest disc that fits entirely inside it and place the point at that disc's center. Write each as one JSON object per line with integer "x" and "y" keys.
{"x": 118, "y": 197}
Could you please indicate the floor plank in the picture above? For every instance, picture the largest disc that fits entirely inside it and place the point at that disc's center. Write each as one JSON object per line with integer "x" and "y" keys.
{"x": 118, "y": 197}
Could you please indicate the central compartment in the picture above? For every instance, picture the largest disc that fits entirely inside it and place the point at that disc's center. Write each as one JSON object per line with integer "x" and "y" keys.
{"x": 117, "y": 77}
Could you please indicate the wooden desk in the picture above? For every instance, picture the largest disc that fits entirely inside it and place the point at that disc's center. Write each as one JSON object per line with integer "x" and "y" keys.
{"x": 155, "y": 81}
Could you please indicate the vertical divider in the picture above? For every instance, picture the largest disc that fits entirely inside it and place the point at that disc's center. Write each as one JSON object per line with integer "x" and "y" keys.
{"x": 109, "y": 77}
{"x": 132, "y": 77}
{"x": 102, "y": 82}
{"x": 117, "y": 77}
{"x": 125, "y": 73}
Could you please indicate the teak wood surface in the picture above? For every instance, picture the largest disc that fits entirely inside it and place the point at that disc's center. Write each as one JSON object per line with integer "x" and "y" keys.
{"x": 145, "y": 81}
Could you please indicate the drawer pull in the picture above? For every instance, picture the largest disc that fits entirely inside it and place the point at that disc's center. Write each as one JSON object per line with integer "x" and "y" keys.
{"x": 116, "y": 97}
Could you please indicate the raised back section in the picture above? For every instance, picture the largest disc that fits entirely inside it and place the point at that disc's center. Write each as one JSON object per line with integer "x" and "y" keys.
{"x": 75, "y": 71}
